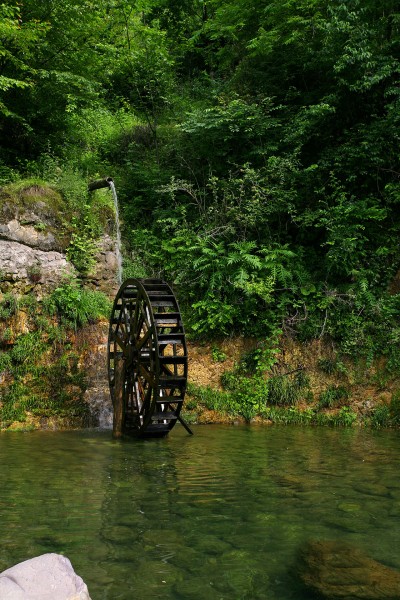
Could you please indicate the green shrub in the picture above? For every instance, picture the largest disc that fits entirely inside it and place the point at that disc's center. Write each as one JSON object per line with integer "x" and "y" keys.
{"x": 333, "y": 396}
{"x": 249, "y": 394}
{"x": 75, "y": 305}
{"x": 393, "y": 353}
{"x": 133, "y": 268}
{"x": 243, "y": 396}
{"x": 14, "y": 402}
{"x": 394, "y": 408}
{"x": 217, "y": 354}
{"x": 380, "y": 416}
{"x": 386, "y": 415}
{"x": 290, "y": 416}
{"x": 263, "y": 357}
{"x": 27, "y": 346}
{"x": 63, "y": 372}
{"x": 34, "y": 273}
{"x": 327, "y": 365}
{"x": 29, "y": 303}
{"x": 66, "y": 178}
{"x": 81, "y": 253}
{"x": 8, "y": 306}
{"x": 6, "y": 334}
{"x": 82, "y": 248}
{"x": 287, "y": 390}
{"x": 53, "y": 388}
{"x": 213, "y": 316}
{"x": 345, "y": 417}
{"x": 5, "y": 361}
{"x": 212, "y": 399}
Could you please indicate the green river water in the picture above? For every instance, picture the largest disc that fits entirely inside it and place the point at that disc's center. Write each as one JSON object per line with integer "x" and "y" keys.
{"x": 220, "y": 515}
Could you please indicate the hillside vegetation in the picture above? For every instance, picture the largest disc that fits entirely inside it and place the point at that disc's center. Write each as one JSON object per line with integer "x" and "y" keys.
{"x": 255, "y": 149}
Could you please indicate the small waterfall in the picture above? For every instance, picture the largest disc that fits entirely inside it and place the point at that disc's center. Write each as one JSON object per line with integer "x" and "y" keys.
{"x": 98, "y": 395}
{"x": 118, "y": 232}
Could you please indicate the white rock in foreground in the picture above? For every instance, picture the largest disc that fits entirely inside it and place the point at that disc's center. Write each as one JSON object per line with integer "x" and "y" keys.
{"x": 46, "y": 577}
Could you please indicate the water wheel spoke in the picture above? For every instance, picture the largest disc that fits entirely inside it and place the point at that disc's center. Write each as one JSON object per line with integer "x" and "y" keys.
{"x": 140, "y": 327}
{"x": 139, "y": 394}
{"x": 146, "y": 374}
{"x": 126, "y": 316}
{"x": 142, "y": 389}
{"x": 132, "y": 309}
{"x": 121, "y": 343}
{"x": 146, "y": 401}
{"x": 141, "y": 342}
{"x": 135, "y": 316}
{"x": 149, "y": 319}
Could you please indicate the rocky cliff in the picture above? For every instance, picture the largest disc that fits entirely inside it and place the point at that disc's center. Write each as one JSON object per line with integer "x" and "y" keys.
{"x": 53, "y": 371}
{"x": 35, "y": 233}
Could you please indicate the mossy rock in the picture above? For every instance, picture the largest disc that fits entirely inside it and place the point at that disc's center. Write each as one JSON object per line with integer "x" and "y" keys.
{"x": 335, "y": 570}
{"x": 34, "y": 213}
{"x": 32, "y": 195}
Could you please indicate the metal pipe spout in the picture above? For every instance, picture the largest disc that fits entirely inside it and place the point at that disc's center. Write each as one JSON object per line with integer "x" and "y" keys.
{"x": 100, "y": 183}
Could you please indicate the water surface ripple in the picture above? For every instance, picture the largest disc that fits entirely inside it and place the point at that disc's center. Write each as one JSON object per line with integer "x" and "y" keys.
{"x": 220, "y": 515}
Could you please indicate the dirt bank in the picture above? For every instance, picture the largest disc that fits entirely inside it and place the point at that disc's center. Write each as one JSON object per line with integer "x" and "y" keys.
{"x": 333, "y": 381}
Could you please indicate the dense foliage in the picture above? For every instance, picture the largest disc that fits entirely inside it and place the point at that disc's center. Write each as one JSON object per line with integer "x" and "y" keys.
{"x": 254, "y": 144}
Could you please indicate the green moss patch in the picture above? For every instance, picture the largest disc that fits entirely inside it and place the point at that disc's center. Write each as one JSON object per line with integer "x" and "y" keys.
{"x": 33, "y": 194}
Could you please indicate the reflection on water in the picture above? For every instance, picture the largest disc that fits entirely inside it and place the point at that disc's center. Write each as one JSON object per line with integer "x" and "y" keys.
{"x": 220, "y": 515}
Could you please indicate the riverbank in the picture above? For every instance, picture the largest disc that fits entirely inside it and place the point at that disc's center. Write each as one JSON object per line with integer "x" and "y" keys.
{"x": 57, "y": 283}
{"x": 56, "y": 378}
{"x": 309, "y": 383}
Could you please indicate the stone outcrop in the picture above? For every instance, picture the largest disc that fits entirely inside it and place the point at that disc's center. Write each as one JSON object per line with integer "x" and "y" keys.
{"x": 338, "y": 571}
{"x": 104, "y": 275}
{"x": 32, "y": 238}
{"x": 94, "y": 359}
{"x": 45, "y": 577}
{"x": 35, "y": 231}
{"x": 34, "y": 234}
{"x": 28, "y": 235}
{"x": 22, "y": 266}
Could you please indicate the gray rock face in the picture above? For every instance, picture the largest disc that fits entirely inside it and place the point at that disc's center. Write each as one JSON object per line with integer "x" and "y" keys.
{"x": 35, "y": 231}
{"x": 339, "y": 571}
{"x": 46, "y": 577}
{"x": 104, "y": 277}
{"x": 17, "y": 261}
{"x": 97, "y": 394}
{"x": 33, "y": 242}
{"x": 27, "y": 234}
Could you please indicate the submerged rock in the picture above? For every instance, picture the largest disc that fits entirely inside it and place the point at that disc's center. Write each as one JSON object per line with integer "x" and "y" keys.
{"x": 45, "y": 577}
{"x": 336, "y": 570}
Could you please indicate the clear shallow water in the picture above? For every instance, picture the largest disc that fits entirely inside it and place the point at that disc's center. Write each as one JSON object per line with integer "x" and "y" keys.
{"x": 220, "y": 515}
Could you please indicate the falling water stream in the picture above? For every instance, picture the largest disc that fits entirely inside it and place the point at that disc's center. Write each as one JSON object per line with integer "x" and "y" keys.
{"x": 118, "y": 232}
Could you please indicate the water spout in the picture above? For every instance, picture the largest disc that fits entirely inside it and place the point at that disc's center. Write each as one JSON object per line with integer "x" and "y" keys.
{"x": 100, "y": 183}
{"x": 103, "y": 183}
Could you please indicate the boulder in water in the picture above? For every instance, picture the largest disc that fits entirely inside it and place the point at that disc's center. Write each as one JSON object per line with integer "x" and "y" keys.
{"x": 338, "y": 571}
{"x": 45, "y": 577}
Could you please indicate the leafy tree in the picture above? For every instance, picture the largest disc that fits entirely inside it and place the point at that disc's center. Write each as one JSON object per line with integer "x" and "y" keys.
{"x": 255, "y": 145}
{"x": 18, "y": 40}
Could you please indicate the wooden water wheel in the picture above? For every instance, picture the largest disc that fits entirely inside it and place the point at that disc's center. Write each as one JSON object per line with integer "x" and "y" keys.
{"x": 147, "y": 359}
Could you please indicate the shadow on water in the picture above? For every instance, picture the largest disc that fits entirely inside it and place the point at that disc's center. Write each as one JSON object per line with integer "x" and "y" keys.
{"x": 219, "y": 515}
